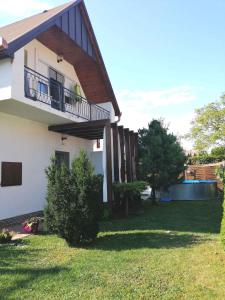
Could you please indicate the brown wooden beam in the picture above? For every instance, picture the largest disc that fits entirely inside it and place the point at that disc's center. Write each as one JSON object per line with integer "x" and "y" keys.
{"x": 115, "y": 152}
{"x": 136, "y": 153}
{"x": 132, "y": 155}
{"x": 89, "y": 124}
{"x": 128, "y": 154}
{"x": 122, "y": 168}
{"x": 109, "y": 164}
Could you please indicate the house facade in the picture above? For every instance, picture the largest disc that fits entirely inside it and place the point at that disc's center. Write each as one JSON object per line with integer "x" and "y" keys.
{"x": 56, "y": 99}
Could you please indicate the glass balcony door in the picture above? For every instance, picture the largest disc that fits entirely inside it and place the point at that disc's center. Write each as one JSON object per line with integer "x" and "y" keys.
{"x": 56, "y": 89}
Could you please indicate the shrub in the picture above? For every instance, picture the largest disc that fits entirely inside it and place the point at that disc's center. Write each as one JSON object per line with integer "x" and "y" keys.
{"x": 219, "y": 151}
{"x": 5, "y": 236}
{"x": 127, "y": 197}
{"x": 205, "y": 159}
{"x": 222, "y": 229}
{"x": 73, "y": 201}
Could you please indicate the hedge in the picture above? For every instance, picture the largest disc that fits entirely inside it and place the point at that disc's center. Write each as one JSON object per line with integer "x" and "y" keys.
{"x": 222, "y": 229}
{"x": 127, "y": 197}
{"x": 205, "y": 159}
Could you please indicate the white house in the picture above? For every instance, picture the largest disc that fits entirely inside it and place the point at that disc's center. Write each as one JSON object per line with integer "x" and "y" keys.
{"x": 55, "y": 99}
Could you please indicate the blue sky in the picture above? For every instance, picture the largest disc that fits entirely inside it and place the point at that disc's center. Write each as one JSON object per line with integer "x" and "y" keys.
{"x": 164, "y": 57}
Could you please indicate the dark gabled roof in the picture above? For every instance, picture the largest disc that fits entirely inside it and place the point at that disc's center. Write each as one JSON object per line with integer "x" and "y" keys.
{"x": 72, "y": 22}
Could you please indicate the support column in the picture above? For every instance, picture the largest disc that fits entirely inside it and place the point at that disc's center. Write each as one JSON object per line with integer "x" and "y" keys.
{"x": 128, "y": 154}
{"x": 136, "y": 153}
{"x": 132, "y": 155}
{"x": 122, "y": 142}
{"x": 108, "y": 163}
{"x": 115, "y": 152}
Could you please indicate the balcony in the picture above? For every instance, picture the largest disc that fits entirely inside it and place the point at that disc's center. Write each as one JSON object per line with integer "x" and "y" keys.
{"x": 54, "y": 94}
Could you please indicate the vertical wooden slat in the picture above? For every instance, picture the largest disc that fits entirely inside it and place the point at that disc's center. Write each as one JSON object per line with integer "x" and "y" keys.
{"x": 128, "y": 156}
{"x": 115, "y": 152}
{"x": 72, "y": 25}
{"x": 108, "y": 163}
{"x": 136, "y": 153}
{"x": 122, "y": 168}
{"x": 65, "y": 26}
{"x": 132, "y": 155}
{"x": 78, "y": 27}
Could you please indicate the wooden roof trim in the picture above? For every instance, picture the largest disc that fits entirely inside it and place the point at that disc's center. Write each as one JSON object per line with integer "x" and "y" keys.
{"x": 99, "y": 56}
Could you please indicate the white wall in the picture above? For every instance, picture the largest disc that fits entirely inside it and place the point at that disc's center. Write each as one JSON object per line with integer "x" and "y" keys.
{"x": 5, "y": 79}
{"x": 97, "y": 160}
{"x": 32, "y": 144}
{"x": 40, "y": 58}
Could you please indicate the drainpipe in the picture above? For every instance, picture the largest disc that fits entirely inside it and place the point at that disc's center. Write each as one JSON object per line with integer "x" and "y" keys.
{"x": 119, "y": 118}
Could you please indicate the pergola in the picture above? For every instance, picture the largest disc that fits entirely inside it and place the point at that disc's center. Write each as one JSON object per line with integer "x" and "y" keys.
{"x": 120, "y": 148}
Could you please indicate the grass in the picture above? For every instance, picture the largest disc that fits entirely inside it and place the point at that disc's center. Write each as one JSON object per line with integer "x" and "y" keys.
{"x": 171, "y": 251}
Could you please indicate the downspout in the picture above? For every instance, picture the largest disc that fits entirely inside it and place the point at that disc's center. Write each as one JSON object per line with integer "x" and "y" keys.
{"x": 119, "y": 118}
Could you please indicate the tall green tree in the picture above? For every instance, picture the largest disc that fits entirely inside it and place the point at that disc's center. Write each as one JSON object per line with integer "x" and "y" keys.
{"x": 161, "y": 157}
{"x": 208, "y": 126}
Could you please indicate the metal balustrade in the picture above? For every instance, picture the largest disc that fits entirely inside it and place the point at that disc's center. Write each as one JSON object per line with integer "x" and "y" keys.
{"x": 40, "y": 88}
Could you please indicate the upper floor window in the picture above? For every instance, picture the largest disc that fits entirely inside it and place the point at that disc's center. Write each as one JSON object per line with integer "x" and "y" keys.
{"x": 56, "y": 76}
{"x": 42, "y": 88}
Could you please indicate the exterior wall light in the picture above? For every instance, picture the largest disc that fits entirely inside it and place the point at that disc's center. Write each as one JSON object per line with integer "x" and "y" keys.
{"x": 63, "y": 138}
{"x": 60, "y": 58}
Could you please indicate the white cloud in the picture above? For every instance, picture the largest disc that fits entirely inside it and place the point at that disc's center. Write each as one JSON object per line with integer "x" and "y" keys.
{"x": 159, "y": 97}
{"x": 22, "y": 8}
{"x": 139, "y": 107}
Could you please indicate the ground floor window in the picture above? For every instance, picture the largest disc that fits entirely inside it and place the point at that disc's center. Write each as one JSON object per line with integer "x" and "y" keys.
{"x": 62, "y": 157}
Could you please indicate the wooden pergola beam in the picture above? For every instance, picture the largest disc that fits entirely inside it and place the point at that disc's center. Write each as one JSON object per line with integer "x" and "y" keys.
{"x": 109, "y": 164}
{"x": 115, "y": 152}
{"x": 128, "y": 154}
{"x": 122, "y": 145}
{"x": 90, "y": 130}
{"x": 136, "y": 153}
{"x": 86, "y": 125}
{"x": 131, "y": 133}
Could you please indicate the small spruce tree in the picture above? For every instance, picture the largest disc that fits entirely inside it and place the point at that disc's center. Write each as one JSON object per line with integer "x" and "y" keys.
{"x": 162, "y": 159}
{"x": 72, "y": 208}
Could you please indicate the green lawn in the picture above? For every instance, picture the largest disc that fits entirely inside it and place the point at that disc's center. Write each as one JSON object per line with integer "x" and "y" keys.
{"x": 172, "y": 251}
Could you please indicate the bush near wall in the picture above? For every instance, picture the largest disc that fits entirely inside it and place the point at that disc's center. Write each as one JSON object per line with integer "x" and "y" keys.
{"x": 222, "y": 229}
{"x": 127, "y": 197}
{"x": 73, "y": 201}
{"x": 205, "y": 159}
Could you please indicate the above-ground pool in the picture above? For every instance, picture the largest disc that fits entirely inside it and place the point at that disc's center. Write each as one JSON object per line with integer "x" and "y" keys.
{"x": 193, "y": 190}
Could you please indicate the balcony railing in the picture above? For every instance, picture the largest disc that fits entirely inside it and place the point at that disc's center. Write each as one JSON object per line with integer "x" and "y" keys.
{"x": 46, "y": 90}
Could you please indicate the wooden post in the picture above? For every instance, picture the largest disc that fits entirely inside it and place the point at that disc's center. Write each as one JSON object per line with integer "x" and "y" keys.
{"x": 128, "y": 156}
{"x": 115, "y": 152}
{"x": 132, "y": 154}
{"x": 108, "y": 163}
{"x": 136, "y": 153}
{"x": 122, "y": 169}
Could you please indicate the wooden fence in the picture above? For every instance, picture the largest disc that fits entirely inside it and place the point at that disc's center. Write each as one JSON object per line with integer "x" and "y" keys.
{"x": 203, "y": 172}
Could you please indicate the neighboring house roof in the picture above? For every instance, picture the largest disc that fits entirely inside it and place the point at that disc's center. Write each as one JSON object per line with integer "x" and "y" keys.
{"x": 67, "y": 26}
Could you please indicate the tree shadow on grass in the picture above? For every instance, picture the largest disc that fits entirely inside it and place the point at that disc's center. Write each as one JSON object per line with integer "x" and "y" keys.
{"x": 18, "y": 271}
{"x": 183, "y": 216}
{"x": 26, "y": 278}
{"x": 139, "y": 240}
